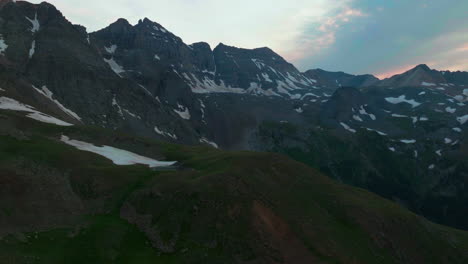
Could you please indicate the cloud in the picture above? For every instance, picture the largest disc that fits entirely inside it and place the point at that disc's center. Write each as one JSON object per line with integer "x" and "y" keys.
{"x": 394, "y": 35}
{"x": 321, "y": 32}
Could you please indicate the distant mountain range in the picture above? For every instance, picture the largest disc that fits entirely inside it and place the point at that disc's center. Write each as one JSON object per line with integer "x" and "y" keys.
{"x": 404, "y": 137}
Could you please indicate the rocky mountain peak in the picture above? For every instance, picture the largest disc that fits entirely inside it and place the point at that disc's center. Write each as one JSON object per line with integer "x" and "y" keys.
{"x": 423, "y": 67}
{"x": 120, "y": 24}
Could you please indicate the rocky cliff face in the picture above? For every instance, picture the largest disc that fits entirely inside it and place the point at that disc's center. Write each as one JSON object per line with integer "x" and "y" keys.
{"x": 341, "y": 79}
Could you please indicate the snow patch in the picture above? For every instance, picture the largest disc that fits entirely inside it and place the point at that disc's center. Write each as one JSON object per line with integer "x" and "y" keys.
{"x": 111, "y": 49}
{"x": 32, "y": 50}
{"x": 408, "y": 141}
{"x": 345, "y": 126}
{"x": 462, "y": 119}
{"x": 47, "y": 93}
{"x": 41, "y": 117}
{"x": 397, "y": 115}
{"x": 392, "y": 149}
{"x": 402, "y": 99}
{"x": 378, "y": 132}
{"x": 207, "y": 85}
{"x": 119, "y": 109}
{"x": 164, "y": 133}
{"x": 299, "y": 110}
{"x": 11, "y": 104}
{"x": 115, "y": 67}
{"x": 183, "y": 112}
{"x": 157, "y": 57}
{"x": 309, "y": 94}
{"x": 450, "y": 110}
{"x": 357, "y": 118}
{"x": 457, "y": 129}
{"x": 3, "y": 45}
{"x": 363, "y": 111}
{"x": 132, "y": 114}
{"x": 428, "y": 84}
{"x": 206, "y": 141}
{"x": 117, "y": 156}
{"x": 258, "y": 63}
{"x": 35, "y": 24}
{"x": 447, "y": 140}
{"x": 146, "y": 90}
{"x": 266, "y": 77}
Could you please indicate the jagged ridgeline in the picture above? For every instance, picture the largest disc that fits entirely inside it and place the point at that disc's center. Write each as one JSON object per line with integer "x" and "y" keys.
{"x": 77, "y": 109}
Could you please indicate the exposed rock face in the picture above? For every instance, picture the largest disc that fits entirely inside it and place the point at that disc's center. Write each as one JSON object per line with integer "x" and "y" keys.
{"x": 341, "y": 79}
{"x": 415, "y": 77}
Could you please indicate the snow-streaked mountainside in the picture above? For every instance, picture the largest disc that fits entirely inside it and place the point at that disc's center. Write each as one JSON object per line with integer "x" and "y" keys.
{"x": 144, "y": 80}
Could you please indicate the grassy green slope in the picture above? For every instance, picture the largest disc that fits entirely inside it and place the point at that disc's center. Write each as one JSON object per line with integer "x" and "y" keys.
{"x": 61, "y": 205}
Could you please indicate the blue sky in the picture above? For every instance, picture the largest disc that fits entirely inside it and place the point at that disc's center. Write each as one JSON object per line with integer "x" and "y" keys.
{"x": 381, "y": 37}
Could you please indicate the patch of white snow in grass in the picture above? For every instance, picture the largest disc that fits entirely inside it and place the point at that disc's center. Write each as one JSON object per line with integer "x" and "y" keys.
{"x": 48, "y": 119}
{"x": 117, "y": 156}
{"x": 11, "y": 104}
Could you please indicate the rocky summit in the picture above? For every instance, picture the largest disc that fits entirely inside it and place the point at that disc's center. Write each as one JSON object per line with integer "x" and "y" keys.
{"x": 127, "y": 145}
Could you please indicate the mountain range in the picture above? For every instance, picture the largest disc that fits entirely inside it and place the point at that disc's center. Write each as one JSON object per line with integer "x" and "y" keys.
{"x": 403, "y": 138}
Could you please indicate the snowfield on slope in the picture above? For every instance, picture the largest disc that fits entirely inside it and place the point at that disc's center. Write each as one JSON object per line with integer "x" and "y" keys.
{"x": 402, "y": 99}
{"x": 117, "y": 156}
{"x": 11, "y": 104}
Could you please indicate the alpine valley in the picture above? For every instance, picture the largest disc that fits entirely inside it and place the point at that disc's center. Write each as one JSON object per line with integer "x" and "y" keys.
{"x": 127, "y": 145}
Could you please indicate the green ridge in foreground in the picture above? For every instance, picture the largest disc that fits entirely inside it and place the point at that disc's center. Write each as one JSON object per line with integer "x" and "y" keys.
{"x": 62, "y": 205}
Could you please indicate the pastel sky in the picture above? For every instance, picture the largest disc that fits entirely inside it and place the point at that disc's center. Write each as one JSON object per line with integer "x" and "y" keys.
{"x": 382, "y": 37}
